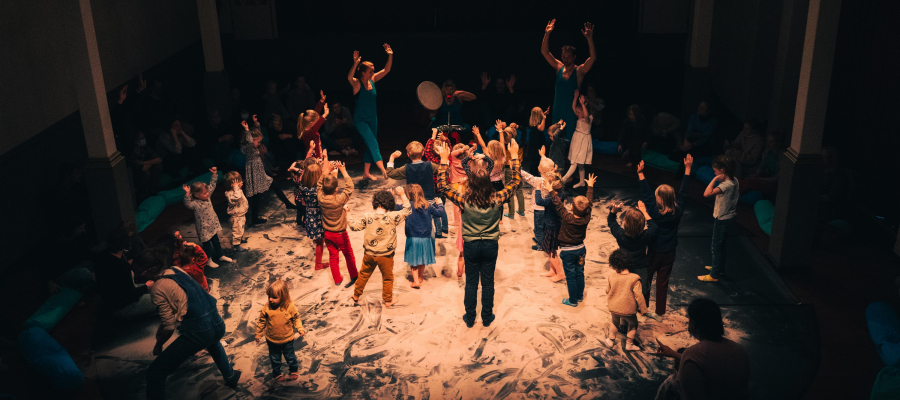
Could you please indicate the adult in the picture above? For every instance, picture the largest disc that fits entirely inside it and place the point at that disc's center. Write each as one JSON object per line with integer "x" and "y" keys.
{"x": 300, "y": 98}
{"x": 715, "y": 368}
{"x": 634, "y": 135}
{"x": 595, "y": 107}
{"x": 68, "y": 264}
{"x": 179, "y": 297}
{"x": 172, "y": 146}
{"x": 450, "y": 112}
{"x": 747, "y": 147}
{"x": 565, "y": 69}
{"x": 121, "y": 298}
{"x": 700, "y": 130}
{"x": 663, "y": 125}
{"x": 482, "y": 208}
{"x": 499, "y": 102}
{"x": 338, "y": 125}
{"x": 765, "y": 179}
{"x": 362, "y": 78}
{"x": 147, "y": 166}
{"x": 220, "y": 137}
{"x": 283, "y": 141}
{"x": 272, "y": 101}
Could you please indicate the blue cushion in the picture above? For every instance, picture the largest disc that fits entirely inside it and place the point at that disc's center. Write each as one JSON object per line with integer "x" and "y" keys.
{"x": 54, "y": 309}
{"x": 611, "y": 148}
{"x": 50, "y": 361}
{"x": 148, "y": 211}
{"x": 764, "y": 211}
{"x": 887, "y": 385}
{"x": 172, "y": 196}
{"x": 705, "y": 174}
{"x": 751, "y": 197}
{"x": 659, "y": 161}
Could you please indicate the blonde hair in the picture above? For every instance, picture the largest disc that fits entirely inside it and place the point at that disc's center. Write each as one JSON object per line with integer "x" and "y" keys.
{"x": 508, "y": 133}
{"x": 665, "y": 199}
{"x": 546, "y": 166}
{"x": 537, "y": 116}
{"x": 580, "y": 205}
{"x": 233, "y": 177}
{"x": 416, "y": 196}
{"x": 198, "y": 187}
{"x": 496, "y": 152}
{"x": 459, "y": 146}
{"x": 363, "y": 67}
{"x": 255, "y": 133}
{"x": 280, "y": 290}
{"x": 311, "y": 175}
{"x": 414, "y": 150}
{"x": 634, "y": 222}
{"x": 307, "y": 120}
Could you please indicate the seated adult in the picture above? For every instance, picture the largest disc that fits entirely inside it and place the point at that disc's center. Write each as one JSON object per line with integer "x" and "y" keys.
{"x": 218, "y": 136}
{"x": 498, "y": 102}
{"x": 664, "y": 127}
{"x": 283, "y": 141}
{"x": 178, "y": 297}
{"x": 146, "y": 167}
{"x": 747, "y": 147}
{"x": 172, "y": 147}
{"x": 697, "y": 136}
{"x": 339, "y": 125}
{"x": 300, "y": 99}
{"x": 715, "y": 368}
{"x": 272, "y": 101}
{"x": 595, "y": 106}
{"x": 634, "y": 135}
{"x": 121, "y": 297}
{"x": 765, "y": 178}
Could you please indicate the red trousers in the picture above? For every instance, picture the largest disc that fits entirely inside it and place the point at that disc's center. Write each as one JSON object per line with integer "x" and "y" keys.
{"x": 340, "y": 241}
{"x": 661, "y": 265}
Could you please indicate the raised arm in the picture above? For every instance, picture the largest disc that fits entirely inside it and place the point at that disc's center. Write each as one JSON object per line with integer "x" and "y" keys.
{"x": 503, "y": 195}
{"x": 564, "y": 213}
{"x": 712, "y": 189}
{"x": 477, "y": 133}
{"x": 588, "y": 33}
{"x": 545, "y": 47}
{"x": 575, "y": 102}
{"x": 387, "y": 66}
{"x": 351, "y": 76}
{"x": 443, "y": 183}
{"x": 395, "y": 173}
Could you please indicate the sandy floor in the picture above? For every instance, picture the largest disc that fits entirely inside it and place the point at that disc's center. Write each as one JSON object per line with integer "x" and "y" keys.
{"x": 420, "y": 348}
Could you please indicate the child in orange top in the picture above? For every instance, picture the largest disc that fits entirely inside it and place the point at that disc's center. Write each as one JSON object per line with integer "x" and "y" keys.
{"x": 310, "y": 122}
{"x": 277, "y": 321}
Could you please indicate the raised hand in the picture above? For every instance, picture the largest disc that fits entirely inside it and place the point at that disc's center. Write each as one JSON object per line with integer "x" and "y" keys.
{"x": 341, "y": 166}
{"x": 581, "y": 99}
{"x": 387, "y": 49}
{"x": 615, "y": 207}
{"x": 213, "y": 170}
{"x": 511, "y": 82}
{"x": 356, "y": 57}
{"x": 541, "y": 152}
{"x": 322, "y": 94}
{"x": 640, "y": 167}
{"x": 688, "y": 161}
{"x": 550, "y": 25}
{"x": 244, "y": 124}
{"x": 396, "y": 154}
{"x": 434, "y": 133}
{"x": 254, "y": 119}
{"x": 187, "y": 189}
{"x": 123, "y": 92}
{"x": 499, "y": 125}
{"x": 399, "y": 191}
{"x": 485, "y": 80}
{"x": 562, "y": 124}
{"x": 591, "y": 179}
{"x": 642, "y": 207}
{"x": 476, "y": 131}
{"x": 719, "y": 178}
{"x": 327, "y": 109}
{"x": 547, "y": 111}
{"x": 513, "y": 147}
{"x": 588, "y": 30}
{"x": 443, "y": 151}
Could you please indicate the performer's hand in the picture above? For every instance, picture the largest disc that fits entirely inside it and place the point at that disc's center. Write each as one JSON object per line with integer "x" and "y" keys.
{"x": 254, "y": 119}
{"x": 588, "y": 30}
{"x": 485, "y": 80}
{"x": 356, "y": 57}
{"x": 550, "y": 25}
{"x": 387, "y": 49}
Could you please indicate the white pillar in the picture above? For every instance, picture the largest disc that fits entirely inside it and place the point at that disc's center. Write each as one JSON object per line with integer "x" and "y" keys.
{"x": 209, "y": 34}
{"x": 701, "y": 32}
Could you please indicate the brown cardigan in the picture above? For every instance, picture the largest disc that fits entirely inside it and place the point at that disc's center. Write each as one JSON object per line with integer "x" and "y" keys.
{"x": 573, "y": 229}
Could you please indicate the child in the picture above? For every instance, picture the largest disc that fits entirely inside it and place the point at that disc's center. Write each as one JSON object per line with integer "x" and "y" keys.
{"x": 545, "y": 167}
{"x": 495, "y": 151}
{"x": 257, "y": 180}
{"x": 310, "y": 122}
{"x": 237, "y": 209}
{"x": 634, "y": 240}
{"x": 537, "y": 124}
{"x": 571, "y": 238}
{"x": 560, "y": 146}
{"x": 196, "y": 197}
{"x": 421, "y": 173}
{"x": 419, "y": 236}
{"x": 193, "y": 261}
{"x": 277, "y": 322}
{"x": 550, "y": 239}
{"x": 581, "y": 149}
{"x": 296, "y": 170}
{"x": 380, "y": 241}
{"x": 624, "y": 299}
{"x": 312, "y": 221}
{"x": 458, "y": 182}
{"x": 334, "y": 221}
{"x": 508, "y": 134}
{"x": 726, "y": 189}
{"x": 666, "y": 209}
{"x": 439, "y": 139}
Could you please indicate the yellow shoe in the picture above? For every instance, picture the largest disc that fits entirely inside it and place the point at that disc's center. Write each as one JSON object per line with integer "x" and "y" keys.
{"x": 707, "y": 278}
{"x": 709, "y": 267}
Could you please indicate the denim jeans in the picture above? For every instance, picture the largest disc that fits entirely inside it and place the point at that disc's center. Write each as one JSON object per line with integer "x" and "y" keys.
{"x": 285, "y": 349}
{"x": 539, "y": 226}
{"x": 719, "y": 248}
{"x": 212, "y": 248}
{"x": 183, "y": 348}
{"x": 481, "y": 260}
{"x": 441, "y": 224}
{"x": 573, "y": 265}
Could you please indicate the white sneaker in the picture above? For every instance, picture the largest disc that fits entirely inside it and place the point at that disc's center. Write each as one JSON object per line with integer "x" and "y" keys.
{"x": 226, "y": 259}
{"x": 212, "y": 264}
{"x": 631, "y": 347}
{"x": 609, "y": 342}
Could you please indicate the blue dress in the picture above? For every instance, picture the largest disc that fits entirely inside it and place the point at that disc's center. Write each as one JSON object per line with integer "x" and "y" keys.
{"x": 365, "y": 118}
{"x": 562, "y": 100}
{"x": 420, "y": 236}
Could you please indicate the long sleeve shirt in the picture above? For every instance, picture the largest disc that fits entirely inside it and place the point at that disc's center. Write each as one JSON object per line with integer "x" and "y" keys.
{"x": 197, "y": 268}
{"x": 714, "y": 371}
{"x": 551, "y": 216}
{"x": 331, "y": 123}
{"x": 574, "y": 228}
{"x": 419, "y": 223}
{"x": 666, "y": 239}
{"x": 173, "y": 146}
{"x": 237, "y": 203}
{"x": 699, "y": 131}
{"x": 418, "y": 173}
{"x": 636, "y": 247}
{"x": 116, "y": 283}
{"x": 748, "y": 149}
{"x": 205, "y": 218}
{"x": 380, "y": 237}
{"x": 480, "y": 223}
{"x": 170, "y": 300}
{"x": 536, "y": 183}
{"x": 312, "y": 133}
{"x": 277, "y": 324}
{"x": 624, "y": 296}
{"x": 334, "y": 216}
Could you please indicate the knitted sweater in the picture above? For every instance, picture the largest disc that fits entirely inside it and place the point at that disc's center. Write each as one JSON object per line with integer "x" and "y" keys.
{"x": 334, "y": 216}
{"x": 380, "y": 238}
{"x": 278, "y": 324}
{"x": 624, "y": 295}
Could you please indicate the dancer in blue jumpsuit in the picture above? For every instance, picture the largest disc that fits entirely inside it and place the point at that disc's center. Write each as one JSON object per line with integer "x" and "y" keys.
{"x": 566, "y": 83}
{"x": 362, "y": 78}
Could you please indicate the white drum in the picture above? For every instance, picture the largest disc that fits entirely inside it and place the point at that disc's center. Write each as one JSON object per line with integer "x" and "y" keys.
{"x": 429, "y": 95}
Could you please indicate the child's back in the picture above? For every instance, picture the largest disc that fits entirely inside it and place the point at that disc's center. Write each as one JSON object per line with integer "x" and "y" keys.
{"x": 624, "y": 296}
{"x": 418, "y": 224}
{"x": 422, "y": 174}
{"x": 334, "y": 215}
{"x": 636, "y": 246}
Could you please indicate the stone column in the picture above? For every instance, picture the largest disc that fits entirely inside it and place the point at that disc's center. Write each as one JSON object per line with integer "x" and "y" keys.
{"x": 787, "y": 65}
{"x": 800, "y": 175}
{"x": 106, "y": 173}
{"x": 216, "y": 85}
{"x": 701, "y": 32}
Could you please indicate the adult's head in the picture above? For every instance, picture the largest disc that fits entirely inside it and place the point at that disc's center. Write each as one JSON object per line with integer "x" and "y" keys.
{"x": 704, "y": 108}
{"x": 774, "y": 140}
{"x": 705, "y": 320}
{"x": 275, "y": 122}
{"x": 365, "y": 71}
{"x": 568, "y": 56}
{"x": 212, "y": 115}
{"x": 271, "y": 87}
{"x": 448, "y": 88}
{"x": 301, "y": 83}
{"x": 150, "y": 264}
{"x": 335, "y": 107}
{"x": 500, "y": 85}
{"x": 139, "y": 140}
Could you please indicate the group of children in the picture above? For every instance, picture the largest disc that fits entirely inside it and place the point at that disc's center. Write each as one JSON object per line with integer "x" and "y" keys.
{"x": 647, "y": 237}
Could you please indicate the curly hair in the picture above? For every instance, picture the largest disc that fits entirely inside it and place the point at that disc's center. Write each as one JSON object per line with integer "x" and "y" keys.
{"x": 383, "y": 199}
{"x": 619, "y": 260}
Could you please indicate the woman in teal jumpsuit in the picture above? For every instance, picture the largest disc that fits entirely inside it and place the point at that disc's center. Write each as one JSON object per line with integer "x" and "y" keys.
{"x": 362, "y": 78}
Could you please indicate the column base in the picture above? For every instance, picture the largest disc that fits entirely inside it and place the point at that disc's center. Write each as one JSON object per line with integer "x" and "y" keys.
{"x": 110, "y": 192}
{"x": 796, "y": 209}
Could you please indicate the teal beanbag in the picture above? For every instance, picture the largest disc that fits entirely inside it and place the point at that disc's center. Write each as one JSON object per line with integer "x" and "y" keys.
{"x": 172, "y": 196}
{"x": 705, "y": 174}
{"x": 887, "y": 384}
{"x": 54, "y": 309}
{"x": 659, "y": 161}
{"x": 764, "y": 210}
{"x": 611, "y": 148}
{"x": 149, "y": 210}
{"x": 51, "y": 361}
{"x": 751, "y": 197}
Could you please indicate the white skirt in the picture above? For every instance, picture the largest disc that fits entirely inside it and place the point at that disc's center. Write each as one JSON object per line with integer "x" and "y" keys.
{"x": 581, "y": 149}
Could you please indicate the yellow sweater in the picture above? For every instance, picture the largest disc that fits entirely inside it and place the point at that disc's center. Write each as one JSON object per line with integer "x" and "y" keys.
{"x": 278, "y": 324}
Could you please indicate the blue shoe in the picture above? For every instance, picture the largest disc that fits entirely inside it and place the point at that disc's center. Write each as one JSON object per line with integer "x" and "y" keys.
{"x": 536, "y": 247}
{"x": 507, "y": 215}
{"x": 522, "y": 213}
{"x": 566, "y": 302}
